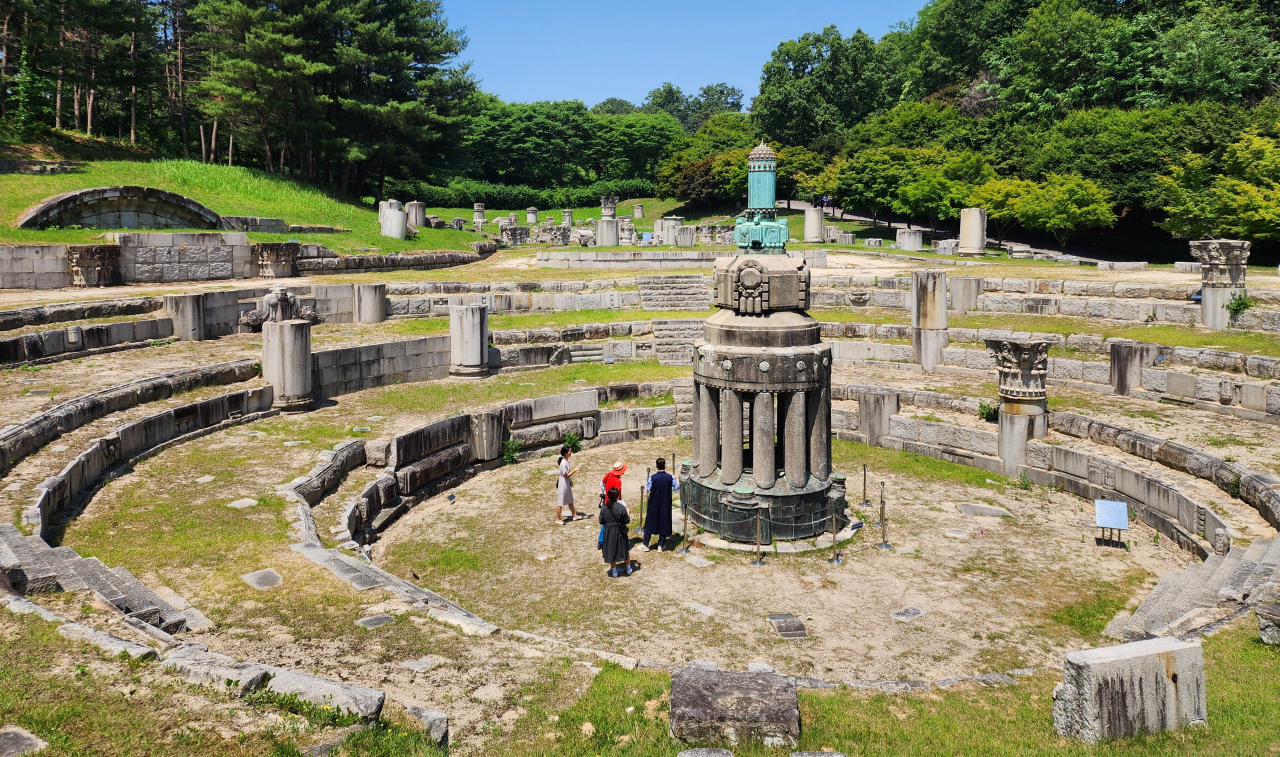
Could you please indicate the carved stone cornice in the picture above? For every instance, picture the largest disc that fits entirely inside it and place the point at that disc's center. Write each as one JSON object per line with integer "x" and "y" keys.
{"x": 1022, "y": 365}
{"x": 1223, "y": 262}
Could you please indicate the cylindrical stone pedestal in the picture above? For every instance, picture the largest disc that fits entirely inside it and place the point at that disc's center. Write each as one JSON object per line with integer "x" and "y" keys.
{"x": 638, "y": 212}
{"x": 1014, "y": 432}
{"x": 607, "y": 232}
{"x": 394, "y": 220}
{"x": 369, "y": 304}
{"x": 187, "y": 313}
{"x": 1213, "y": 306}
{"x": 973, "y": 232}
{"x": 1127, "y": 361}
{"x": 286, "y": 363}
{"x": 874, "y": 411}
{"x": 416, "y": 213}
{"x": 813, "y": 225}
{"x": 910, "y": 240}
{"x": 964, "y": 293}
{"x": 469, "y": 341}
{"x": 1223, "y": 265}
{"x": 566, "y": 217}
{"x": 531, "y": 216}
{"x": 928, "y": 317}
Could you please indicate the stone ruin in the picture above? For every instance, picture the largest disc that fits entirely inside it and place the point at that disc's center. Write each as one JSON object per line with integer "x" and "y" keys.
{"x": 1223, "y": 265}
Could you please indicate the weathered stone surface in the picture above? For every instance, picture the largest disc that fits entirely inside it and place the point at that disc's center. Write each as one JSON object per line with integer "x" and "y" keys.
{"x": 988, "y": 511}
{"x": 196, "y": 664}
{"x": 266, "y": 578}
{"x": 112, "y": 645}
{"x": 714, "y": 705}
{"x": 1269, "y": 624}
{"x": 15, "y": 741}
{"x": 907, "y": 614}
{"x": 367, "y": 703}
{"x": 1109, "y": 692}
{"x": 435, "y": 723}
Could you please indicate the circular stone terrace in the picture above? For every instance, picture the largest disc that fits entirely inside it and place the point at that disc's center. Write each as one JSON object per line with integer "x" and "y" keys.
{"x": 358, "y": 555}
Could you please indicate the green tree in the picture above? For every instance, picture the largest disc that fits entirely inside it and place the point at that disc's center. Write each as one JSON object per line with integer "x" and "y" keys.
{"x": 871, "y": 179}
{"x": 823, "y": 182}
{"x": 1064, "y": 204}
{"x": 818, "y": 84}
{"x": 794, "y": 162}
{"x": 669, "y": 99}
{"x": 1001, "y": 198}
{"x": 710, "y": 100}
{"x": 931, "y": 195}
{"x": 613, "y": 106}
{"x": 1241, "y": 202}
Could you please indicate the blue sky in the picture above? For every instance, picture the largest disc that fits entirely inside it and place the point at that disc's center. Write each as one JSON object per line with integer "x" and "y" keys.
{"x": 527, "y": 50}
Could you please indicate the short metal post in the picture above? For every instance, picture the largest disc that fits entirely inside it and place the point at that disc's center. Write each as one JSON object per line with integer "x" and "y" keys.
{"x": 759, "y": 557}
{"x": 864, "y": 502}
{"x": 884, "y": 523}
{"x": 684, "y": 535}
{"x": 647, "y": 473}
{"x": 835, "y": 553}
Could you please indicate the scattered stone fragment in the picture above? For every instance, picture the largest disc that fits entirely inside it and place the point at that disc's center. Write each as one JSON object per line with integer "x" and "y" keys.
{"x": 266, "y": 578}
{"x": 986, "y": 511}
{"x": 367, "y": 703}
{"x": 334, "y": 742}
{"x": 1269, "y": 623}
{"x": 373, "y": 621}
{"x": 705, "y": 752}
{"x": 995, "y": 679}
{"x": 435, "y": 723}
{"x": 947, "y": 683}
{"x": 698, "y": 562}
{"x": 361, "y": 429}
{"x": 295, "y": 443}
{"x": 704, "y": 665}
{"x": 242, "y": 503}
{"x": 112, "y": 645}
{"x": 376, "y": 418}
{"x": 424, "y": 664}
{"x": 38, "y": 393}
{"x": 194, "y": 663}
{"x": 818, "y": 754}
{"x": 196, "y": 620}
{"x": 204, "y": 479}
{"x": 468, "y": 626}
{"x": 15, "y": 486}
{"x": 889, "y": 686}
{"x": 907, "y": 614}
{"x": 15, "y": 741}
{"x": 715, "y": 705}
{"x": 788, "y": 626}
{"x": 175, "y": 600}
{"x": 760, "y": 667}
{"x": 955, "y": 533}
{"x": 1021, "y": 672}
{"x": 697, "y": 607}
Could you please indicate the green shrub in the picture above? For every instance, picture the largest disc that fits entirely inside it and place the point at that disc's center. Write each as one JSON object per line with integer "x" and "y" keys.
{"x": 573, "y": 442}
{"x": 461, "y": 193}
{"x": 511, "y": 451}
{"x": 988, "y": 411}
{"x": 1240, "y": 301}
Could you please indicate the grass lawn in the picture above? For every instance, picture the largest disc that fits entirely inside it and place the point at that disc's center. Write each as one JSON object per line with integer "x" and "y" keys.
{"x": 1243, "y": 683}
{"x": 424, "y": 326}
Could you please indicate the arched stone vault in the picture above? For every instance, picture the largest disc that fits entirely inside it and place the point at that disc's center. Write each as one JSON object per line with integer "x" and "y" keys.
{"x": 121, "y": 208}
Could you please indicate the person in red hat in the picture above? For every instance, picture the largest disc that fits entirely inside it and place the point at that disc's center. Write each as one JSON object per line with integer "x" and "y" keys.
{"x": 612, "y": 479}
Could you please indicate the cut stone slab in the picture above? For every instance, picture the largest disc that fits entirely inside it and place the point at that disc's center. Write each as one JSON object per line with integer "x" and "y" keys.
{"x": 995, "y": 679}
{"x": 907, "y": 614}
{"x": 424, "y": 664}
{"x": 295, "y": 443}
{"x": 112, "y": 645}
{"x": 367, "y": 703}
{"x": 696, "y": 607}
{"x": 704, "y": 665}
{"x": 267, "y": 578}
{"x": 715, "y": 705}
{"x": 373, "y": 621}
{"x": 818, "y": 754}
{"x": 360, "y": 429}
{"x": 241, "y": 504}
{"x": 434, "y": 722}
{"x": 788, "y": 626}
{"x": 985, "y": 511}
{"x": 760, "y": 667}
{"x": 698, "y": 562}
{"x": 195, "y": 664}
{"x": 15, "y": 741}
{"x": 1143, "y": 686}
{"x": 705, "y": 752}
{"x": 468, "y": 626}
{"x": 1269, "y": 623}
{"x": 196, "y": 620}
{"x": 175, "y": 600}
{"x": 889, "y": 685}
{"x": 955, "y": 533}
{"x": 204, "y": 479}
{"x": 22, "y": 606}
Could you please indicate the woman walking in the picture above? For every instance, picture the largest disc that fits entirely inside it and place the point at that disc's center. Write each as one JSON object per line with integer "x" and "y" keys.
{"x": 616, "y": 542}
{"x": 564, "y": 487}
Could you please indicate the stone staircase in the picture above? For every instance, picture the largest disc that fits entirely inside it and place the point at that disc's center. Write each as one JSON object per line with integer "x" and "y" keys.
{"x": 30, "y": 566}
{"x": 685, "y": 292}
{"x": 1204, "y": 592}
{"x": 586, "y": 353}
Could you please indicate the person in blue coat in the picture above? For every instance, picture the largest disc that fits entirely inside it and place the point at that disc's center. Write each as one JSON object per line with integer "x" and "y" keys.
{"x": 661, "y": 485}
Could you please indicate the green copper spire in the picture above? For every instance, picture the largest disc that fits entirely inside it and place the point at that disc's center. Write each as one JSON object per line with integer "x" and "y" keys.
{"x": 759, "y": 229}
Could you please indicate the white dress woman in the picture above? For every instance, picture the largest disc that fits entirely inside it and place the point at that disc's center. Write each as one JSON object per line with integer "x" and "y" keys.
{"x": 564, "y": 487}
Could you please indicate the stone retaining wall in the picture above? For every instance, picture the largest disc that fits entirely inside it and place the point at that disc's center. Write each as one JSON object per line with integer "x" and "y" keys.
{"x": 353, "y": 369}
{"x": 73, "y": 340}
{"x": 18, "y": 441}
{"x": 513, "y": 302}
{"x": 76, "y": 311}
{"x": 35, "y": 266}
{"x": 161, "y": 257}
{"x": 56, "y": 494}
{"x": 391, "y": 262}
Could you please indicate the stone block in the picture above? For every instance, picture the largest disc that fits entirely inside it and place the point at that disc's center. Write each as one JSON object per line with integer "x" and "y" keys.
{"x": 1144, "y": 686}
{"x": 715, "y": 705}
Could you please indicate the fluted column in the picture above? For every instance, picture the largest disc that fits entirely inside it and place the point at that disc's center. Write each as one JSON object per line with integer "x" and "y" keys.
{"x": 795, "y": 441}
{"x": 818, "y": 404}
{"x": 709, "y": 441}
{"x": 730, "y": 437}
{"x": 697, "y": 427}
{"x": 764, "y": 464}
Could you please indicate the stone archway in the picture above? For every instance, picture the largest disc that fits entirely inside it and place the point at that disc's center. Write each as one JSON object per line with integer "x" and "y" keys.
{"x": 120, "y": 208}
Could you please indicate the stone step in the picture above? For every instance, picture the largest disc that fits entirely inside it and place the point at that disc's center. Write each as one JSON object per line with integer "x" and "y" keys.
{"x": 1136, "y": 626}
{"x": 325, "y": 559}
{"x": 68, "y": 579}
{"x": 169, "y": 620}
{"x": 1232, "y": 589}
{"x": 99, "y": 579}
{"x": 1190, "y": 593}
{"x": 1158, "y": 616}
{"x": 41, "y": 576}
{"x": 1264, "y": 573}
{"x": 1208, "y": 596}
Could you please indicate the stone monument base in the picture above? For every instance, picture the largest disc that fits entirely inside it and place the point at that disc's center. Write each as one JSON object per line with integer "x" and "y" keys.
{"x": 784, "y": 512}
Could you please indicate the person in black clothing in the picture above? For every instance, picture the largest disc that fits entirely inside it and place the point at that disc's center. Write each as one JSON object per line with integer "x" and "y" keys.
{"x": 658, "y": 514}
{"x": 616, "y": 542}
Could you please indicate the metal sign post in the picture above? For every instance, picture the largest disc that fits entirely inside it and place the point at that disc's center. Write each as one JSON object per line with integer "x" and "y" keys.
{"x": 642, "y": 491}
{"x": 884, "y": 523}
{"x": 864, "y": 502}
{"x": 835, "y": 553}
{"x": 759, "y": 556}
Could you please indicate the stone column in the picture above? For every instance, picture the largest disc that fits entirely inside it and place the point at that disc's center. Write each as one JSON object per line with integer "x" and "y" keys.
{"x": 566, "y": 218}
{"x": 696, "y": 455}
{"x": 607, "y": 232}
{"x": 1127, "y": 361}
{"x": 795, "y": 451}
{"x": 394, "y": 219}
{"x": 608, "y": 207}
{"x": 764, "y": 464}
{"x": 469, "y": 341}
{"x": 973, "y": 232}
{"x": 1022, "y": 365}
{"x": 416, "y": 213}
{"x": 730, "y": 437}
{"x": 187, "y": 313}
{"x": 813, "y": 225}
{"x": 531, "y": 216}
{"x": 874, "y": 411}
{"x": 964, "y": 293}
{"x": 818, "y": 407}
{"x": 708, "y": 408}
{"x": 638, "y": 211}
{"x": 1223, "y": 264}
{"x": 369, "y": 303}
{"x": 910, "y": 240}
{"x": 928, "y": 317}
{"x": 286, "y": 363}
